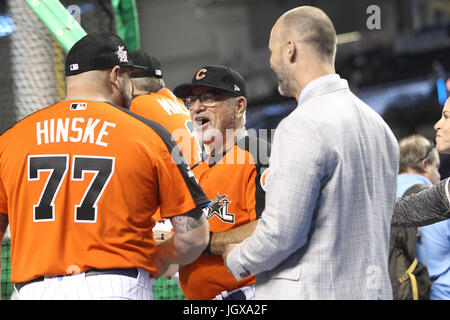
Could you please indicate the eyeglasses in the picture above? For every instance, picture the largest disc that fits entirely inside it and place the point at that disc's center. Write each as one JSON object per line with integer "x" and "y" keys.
{"x": 208, "y": 99}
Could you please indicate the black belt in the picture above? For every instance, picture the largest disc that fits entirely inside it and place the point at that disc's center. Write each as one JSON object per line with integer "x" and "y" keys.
{"x": 132, "y": 273}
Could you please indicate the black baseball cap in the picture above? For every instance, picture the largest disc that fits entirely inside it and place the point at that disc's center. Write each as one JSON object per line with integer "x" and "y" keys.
{"x": 98, "y": 51}
{"x": 141, "y": 58}
{"x": 217, "y": 77}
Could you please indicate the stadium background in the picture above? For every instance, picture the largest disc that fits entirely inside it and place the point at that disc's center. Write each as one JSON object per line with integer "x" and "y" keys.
{"x": 400, "y": 69}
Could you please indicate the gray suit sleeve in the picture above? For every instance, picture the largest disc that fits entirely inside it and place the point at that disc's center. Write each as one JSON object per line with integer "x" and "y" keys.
{"x": 427, "y": 207}
{"x": 296, "y": 170}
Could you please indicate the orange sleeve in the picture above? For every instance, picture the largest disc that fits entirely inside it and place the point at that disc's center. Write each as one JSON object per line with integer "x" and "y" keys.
{"x": 179, "y": 191}
{"x": 3, "y": 202}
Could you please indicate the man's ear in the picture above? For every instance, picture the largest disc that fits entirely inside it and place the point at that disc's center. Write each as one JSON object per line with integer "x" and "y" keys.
{"x": 241, "y": 106}
{"x": 291, "y": 50}
{"x": 113, "y": 76}
{"x": 425, "y": 163}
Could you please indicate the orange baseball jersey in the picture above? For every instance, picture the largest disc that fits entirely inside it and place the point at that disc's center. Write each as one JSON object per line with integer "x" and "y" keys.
{"x": 80, "y": 181}
{"x": 234, "y": 183}
{"x": 164, "y": 108}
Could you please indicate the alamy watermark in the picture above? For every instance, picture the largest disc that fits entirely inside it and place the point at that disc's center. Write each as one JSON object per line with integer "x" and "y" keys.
{"x": 373, "y": 277}
{"x": 75, "y": 12}
{"x": 373, "y": 22}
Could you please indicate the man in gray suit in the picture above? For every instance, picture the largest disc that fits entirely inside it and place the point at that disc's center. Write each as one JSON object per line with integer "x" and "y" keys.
{"x": 324, "y": 233}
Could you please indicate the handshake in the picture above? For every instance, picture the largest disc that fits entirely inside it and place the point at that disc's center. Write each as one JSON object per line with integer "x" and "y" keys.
{"x": 162, "y": 236}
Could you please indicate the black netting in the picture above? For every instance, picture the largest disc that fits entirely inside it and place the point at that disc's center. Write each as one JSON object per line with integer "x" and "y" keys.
{"x": 33, "y": 77}
{"x": 32, "y": 61}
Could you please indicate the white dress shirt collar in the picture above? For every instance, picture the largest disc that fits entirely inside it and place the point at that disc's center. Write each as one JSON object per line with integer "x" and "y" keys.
{"x": 315, "y": 83}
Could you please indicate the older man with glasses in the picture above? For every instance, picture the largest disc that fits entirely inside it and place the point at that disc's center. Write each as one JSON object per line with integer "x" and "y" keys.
{"x": 233, "y": 177}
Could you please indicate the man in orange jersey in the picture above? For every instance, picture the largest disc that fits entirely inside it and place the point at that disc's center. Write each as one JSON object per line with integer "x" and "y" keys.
{"x": 152, "y": 100}
{"x": 231, "y": 176}
{"x": 81, "y": 188}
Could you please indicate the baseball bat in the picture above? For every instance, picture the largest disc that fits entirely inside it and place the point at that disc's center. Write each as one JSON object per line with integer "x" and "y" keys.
{"x": 59, "y": 21}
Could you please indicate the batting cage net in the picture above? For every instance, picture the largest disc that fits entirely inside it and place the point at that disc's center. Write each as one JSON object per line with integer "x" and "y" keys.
{"x": 33, "y": 78}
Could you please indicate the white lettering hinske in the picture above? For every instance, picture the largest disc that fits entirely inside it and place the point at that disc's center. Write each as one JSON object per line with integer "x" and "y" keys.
{"x": 73, "y": 130}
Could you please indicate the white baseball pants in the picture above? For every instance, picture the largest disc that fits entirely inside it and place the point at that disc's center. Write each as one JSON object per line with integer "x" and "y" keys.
{"x": 91, "y": 287}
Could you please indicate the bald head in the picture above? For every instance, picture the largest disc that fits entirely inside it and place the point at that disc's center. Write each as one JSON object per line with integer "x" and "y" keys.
{"x": 302, "y": 48}
{"x": 312, "y": 26}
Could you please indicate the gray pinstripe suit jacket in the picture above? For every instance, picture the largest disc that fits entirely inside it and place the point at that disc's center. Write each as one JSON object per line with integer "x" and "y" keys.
{"x": 331, "y": 192}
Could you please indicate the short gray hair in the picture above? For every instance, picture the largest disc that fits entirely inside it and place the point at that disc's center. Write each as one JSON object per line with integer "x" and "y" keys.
{"x": 413, "y": 150}
{"x": 149, "y": 84}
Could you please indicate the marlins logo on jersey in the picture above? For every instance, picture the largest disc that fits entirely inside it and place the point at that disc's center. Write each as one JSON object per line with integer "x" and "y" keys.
{"x": 236, "y": 187}
{"x": 219, "y": 208}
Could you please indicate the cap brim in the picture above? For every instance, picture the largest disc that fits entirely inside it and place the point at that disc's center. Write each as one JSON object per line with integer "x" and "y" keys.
{"x": 134, "y": 68}
{"x": 183, "y": 90}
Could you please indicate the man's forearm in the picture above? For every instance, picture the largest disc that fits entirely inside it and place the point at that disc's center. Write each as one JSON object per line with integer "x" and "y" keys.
{"x": 189, "y": 239}
{"x": 188, "y": 246}
{"x": 427, "y": 207}
{"x": 220, "y": 239}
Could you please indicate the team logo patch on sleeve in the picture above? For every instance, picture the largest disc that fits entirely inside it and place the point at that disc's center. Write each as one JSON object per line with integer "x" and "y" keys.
{"x": 219, "y": 208}
{"x": 78, "y": 106}
{"x": 264, "y": 179}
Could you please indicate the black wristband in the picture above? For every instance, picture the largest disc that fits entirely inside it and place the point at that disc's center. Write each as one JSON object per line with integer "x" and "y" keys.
{"x": 208, "y": 247}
